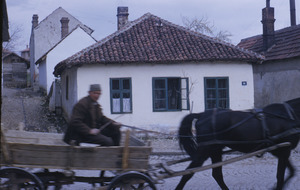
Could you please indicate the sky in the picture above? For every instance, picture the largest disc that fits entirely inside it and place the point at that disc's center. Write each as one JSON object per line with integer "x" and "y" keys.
{"x": 241, "y": 18}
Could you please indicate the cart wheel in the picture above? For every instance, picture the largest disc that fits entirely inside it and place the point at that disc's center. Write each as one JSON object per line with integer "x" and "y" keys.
{"x": 16, "y": 178}
{"x": 131, "y": 180}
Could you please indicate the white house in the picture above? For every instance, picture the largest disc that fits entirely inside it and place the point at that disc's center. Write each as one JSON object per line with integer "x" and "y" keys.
{"x": 73, "y": 42}
{"x": 154, "y": 73}
{"x": 46, "y": 34}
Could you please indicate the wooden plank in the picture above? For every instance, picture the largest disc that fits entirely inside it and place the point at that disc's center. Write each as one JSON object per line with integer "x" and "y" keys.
{"x": 51, "y": 138}
{"x": 135, "y": 152}
{"x": 14, "y": 136}
{"x": 47, "y": 150}
{"x": 56, "y": 156}
{"x": 138, "y": 166}
{"x": 34, "y": 137}
{"x": 126, "y": 151}
{"x": 38, "y": 140}
{"x": 4, "y": 148}
{"x": 27, "y": 134}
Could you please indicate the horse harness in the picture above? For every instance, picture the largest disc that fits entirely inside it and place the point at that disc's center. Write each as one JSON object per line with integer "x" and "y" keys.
{"x": 260, "y": 115}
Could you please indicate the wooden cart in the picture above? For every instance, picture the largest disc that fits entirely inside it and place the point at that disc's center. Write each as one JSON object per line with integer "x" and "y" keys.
{"x": 130, "y": 163}
{"x": 22, "y": 150}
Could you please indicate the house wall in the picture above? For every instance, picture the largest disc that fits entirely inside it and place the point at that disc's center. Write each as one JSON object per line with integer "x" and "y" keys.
{"x": 7, "y": 72}
{"x": 241, "y": 97}
{"x": 68, "y": 103}
{"x": 46, "y": 35}
{"x": 14, "y": 72}
{"x": 43, "y": 75}
{"x": 32, "y": 59}
{"x": 48, "y": 32}
{"x": 276, "y": 82}
{"x": 63, "y": 50}
{"x": 55, "y": 97}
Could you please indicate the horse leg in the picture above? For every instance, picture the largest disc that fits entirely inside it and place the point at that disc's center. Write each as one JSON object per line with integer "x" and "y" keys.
{"x": 217, "y": 172}
{"x": 292, "y": 171}
{"x": 283, "y": 163}
{"x": 187, "y": 177}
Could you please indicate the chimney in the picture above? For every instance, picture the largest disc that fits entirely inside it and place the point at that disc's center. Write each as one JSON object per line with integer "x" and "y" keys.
{"x": 293, "y": 12}
{"x": 35, "y": 21}
{"x": 268, "y": 26}
{"x": 122, "y": 16}
{"x": 64, "y": 26}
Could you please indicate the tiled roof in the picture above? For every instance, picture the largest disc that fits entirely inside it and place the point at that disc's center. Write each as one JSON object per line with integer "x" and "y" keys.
{"x": 287, "y": 44}
{"x": 151, "y": 39}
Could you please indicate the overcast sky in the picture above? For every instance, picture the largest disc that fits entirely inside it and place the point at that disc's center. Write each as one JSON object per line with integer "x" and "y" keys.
{"x": 242, "y": 18}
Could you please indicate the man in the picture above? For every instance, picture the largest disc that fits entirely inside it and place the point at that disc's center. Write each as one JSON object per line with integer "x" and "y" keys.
{"x": 89, "y": 125}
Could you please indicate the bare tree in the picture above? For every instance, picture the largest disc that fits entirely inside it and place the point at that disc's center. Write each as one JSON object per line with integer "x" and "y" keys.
{"x": 224, "y": 36}
{"x": 204, "y": 26}
{"x": 15, "y": 32}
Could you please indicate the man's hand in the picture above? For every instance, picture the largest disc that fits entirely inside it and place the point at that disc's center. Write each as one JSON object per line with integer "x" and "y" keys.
{"x": 94, "y": 131}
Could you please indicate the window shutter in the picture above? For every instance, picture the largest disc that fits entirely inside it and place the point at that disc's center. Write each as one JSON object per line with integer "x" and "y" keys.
{"x": 185, "y": 103}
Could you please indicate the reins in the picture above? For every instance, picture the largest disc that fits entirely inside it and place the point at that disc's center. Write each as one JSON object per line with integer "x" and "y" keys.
{"x": 269, "y": 140}
{"x": 259, "y": 115}
{"x": 228, "y": 129}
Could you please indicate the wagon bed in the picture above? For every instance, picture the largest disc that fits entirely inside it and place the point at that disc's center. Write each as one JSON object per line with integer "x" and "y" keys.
{"x": 47, "y": 150}
{"x": 40, "y": 152}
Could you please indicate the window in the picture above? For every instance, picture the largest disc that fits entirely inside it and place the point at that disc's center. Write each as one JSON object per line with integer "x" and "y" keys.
{"x": 120, "y": 93}
{"x": 170, "y": 94}
{"x": 216, "y": 92}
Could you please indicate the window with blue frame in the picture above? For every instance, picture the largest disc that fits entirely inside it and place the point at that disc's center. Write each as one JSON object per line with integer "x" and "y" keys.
{"x": 120, "y": 93}
{"x": 216, "y": 92}
{"x": 170, "y": 94}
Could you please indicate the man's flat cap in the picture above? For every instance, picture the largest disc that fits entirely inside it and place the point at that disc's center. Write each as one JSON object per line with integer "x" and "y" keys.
{"x": 95, "y": 87}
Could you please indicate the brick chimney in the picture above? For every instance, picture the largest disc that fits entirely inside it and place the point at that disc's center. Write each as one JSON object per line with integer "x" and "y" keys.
{"x": 122, "y": 16}
{"x": 268, "y": 26}
{"x": 64, "y": 26}
{"x": 35, "y": 21}
{"x": 293, "y": 12}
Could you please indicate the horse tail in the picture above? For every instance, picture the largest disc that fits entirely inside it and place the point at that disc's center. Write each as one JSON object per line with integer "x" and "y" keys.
{"x": 185, "y": 135}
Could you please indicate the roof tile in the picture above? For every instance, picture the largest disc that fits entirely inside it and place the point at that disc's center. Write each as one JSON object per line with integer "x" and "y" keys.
{"x": 151, "y": 39}
{"x": 287, "y": 44}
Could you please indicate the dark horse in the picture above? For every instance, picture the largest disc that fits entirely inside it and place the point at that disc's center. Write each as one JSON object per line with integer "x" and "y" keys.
{"x": 243, "y": 131}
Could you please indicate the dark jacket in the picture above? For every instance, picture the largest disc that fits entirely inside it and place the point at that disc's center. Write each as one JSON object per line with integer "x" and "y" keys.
{"x": 86, "y": 114}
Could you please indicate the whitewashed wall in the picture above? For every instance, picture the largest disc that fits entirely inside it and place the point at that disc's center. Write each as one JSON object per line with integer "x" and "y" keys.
{"x": 67, "y": 104}
{"x": 241, "y": 97}
{"x": 47, "y": 34}
{"x": 43, "y": 75}
{"x": 72, "y": 44}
